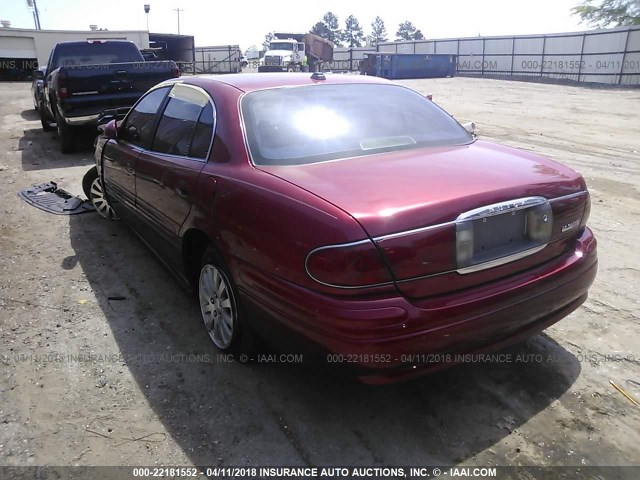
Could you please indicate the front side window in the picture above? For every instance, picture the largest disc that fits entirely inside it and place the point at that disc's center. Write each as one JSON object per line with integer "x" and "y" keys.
{"x": 186, "y": 124}
{"x": 138, "y": 126}
{"x": 299, "y": 125}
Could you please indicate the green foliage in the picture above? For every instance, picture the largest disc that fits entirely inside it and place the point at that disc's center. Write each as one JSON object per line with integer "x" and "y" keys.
{"x": 352, "y": 35}
{"x": 609, "y": 12}
{"x": 331, "y": 21}
{"x": 321, "y": 30}
{"x": 378, "y": 32}
{"x": 408, "y": 31}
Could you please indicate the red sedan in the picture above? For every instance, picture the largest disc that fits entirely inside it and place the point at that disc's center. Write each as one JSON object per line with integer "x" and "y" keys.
{"x": 347, "y": 214}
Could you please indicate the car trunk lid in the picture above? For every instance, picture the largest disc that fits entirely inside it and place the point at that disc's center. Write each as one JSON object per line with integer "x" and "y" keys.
{"x": 408, "y": 203}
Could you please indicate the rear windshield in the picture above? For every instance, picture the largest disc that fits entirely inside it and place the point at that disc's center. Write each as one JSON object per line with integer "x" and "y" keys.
{"x": 315, "y": 123}
{"x": 76, "y": 54}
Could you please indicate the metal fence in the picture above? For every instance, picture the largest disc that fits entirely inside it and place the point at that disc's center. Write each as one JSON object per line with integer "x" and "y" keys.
{"x": 610, "y": 56}
{"x": 217, "y": 59}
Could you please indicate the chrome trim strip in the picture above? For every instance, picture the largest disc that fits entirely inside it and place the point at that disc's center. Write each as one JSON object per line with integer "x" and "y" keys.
{"x": 81, "y": 120}
{"x": 411, "y": 232}
{"x": 500, "y": 261}
{"x": 341, "y": 245}
{"x": 570, "y": 196}
{"x": 500, "y": 208}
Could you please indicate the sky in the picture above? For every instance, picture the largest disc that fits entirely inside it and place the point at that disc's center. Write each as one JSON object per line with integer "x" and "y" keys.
{"x": 246, "y": 23}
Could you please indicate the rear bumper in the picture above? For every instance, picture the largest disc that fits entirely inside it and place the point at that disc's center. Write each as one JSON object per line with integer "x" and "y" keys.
{"x": 81, "y": 110}
{"x": 83, "y": 120}
{"x": 392, "y": 338}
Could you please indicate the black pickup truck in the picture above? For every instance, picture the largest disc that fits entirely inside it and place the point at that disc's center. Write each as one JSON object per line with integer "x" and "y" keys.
{"x": 87, "y": 82}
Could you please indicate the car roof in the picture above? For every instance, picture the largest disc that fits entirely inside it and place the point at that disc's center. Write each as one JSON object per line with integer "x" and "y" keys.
{"x": 248, "y": 82}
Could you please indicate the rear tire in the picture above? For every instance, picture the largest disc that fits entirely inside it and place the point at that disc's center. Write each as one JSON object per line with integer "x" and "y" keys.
{"x": 46, "y": 125}
{"x": 66, "y": 134}
{"x": 92, "y": 187}
{"x": 220, "y": 307}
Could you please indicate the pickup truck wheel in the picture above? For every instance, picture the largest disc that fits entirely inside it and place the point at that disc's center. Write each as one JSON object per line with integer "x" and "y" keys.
{"x": 92, "y": 187}
{"x": 220, "y": 307}
{"x": 46, "y": 125}
{"x": 66, "y": 134}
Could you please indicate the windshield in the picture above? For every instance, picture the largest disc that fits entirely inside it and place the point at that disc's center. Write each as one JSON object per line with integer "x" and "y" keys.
{"x": 294, "y": 126}
{"x": 281, "y": 46}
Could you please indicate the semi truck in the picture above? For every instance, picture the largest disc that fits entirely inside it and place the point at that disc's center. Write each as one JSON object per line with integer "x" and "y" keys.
{"x": 296, "y": 52}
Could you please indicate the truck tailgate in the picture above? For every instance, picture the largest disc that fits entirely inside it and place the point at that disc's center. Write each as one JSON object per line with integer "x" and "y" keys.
{"x": 93, "y": 88}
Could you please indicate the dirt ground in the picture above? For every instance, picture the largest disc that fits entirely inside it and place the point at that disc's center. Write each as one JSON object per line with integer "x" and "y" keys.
{"x": 134, "y": 380}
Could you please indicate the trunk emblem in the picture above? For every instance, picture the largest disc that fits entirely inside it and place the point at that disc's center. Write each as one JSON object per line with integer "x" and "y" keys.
{"x": 571, "y": 225}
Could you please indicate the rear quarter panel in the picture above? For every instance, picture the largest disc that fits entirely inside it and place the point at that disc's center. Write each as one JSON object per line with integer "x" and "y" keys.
{"x": 259, "y": 221}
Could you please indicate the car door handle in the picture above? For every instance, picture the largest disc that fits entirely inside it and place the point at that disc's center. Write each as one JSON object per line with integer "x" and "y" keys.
{"x": 129, "y": 169}
{"x": 181, "y": 191}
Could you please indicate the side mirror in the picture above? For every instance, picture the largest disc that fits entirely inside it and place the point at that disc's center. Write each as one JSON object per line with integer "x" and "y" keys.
{"x": 38, "y": 74}
{"x": 133, "y": 133}
{"x": 470, "y": 127}
{"x": 110, "y": 130}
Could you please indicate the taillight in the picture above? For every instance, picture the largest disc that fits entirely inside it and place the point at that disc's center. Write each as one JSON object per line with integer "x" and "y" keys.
{"x": 586, "y": 212}
{"x": 539, "y": 225}
{"x": 352, "y": 265}
{"x": 63, "y": 91}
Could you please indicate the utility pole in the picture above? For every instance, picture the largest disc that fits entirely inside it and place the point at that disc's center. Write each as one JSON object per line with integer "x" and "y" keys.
{"x": 36, "y": 14}
{"x": 147, "y": 7}
{"x": 178, "y": 10}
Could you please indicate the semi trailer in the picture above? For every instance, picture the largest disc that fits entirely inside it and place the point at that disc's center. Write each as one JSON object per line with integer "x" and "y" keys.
{"x": 296, "y": 52}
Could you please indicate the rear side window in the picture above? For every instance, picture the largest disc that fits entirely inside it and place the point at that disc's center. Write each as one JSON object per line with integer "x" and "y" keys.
{"x": 186, "y": 125}
{"x": 204, "y": 133}
{"x": 138, "y": 126}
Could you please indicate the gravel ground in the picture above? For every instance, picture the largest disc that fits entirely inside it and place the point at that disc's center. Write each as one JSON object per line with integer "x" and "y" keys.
{"x": 105, "y": 361}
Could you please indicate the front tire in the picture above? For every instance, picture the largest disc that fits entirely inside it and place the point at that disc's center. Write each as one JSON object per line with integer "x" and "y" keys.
{"x": 92, "y": 187}
{"x": 220, "y": 307}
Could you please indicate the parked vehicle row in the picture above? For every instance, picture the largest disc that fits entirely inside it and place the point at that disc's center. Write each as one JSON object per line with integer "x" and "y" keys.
{"x": 345, "y": 215}
{"x": 85, "y": 81}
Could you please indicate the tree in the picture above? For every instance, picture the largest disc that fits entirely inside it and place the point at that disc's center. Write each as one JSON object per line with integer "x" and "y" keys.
{"x": 352, "y": 35}
{"x": 267, "y": 40}
{"x": 408, "y": 31}
{"x": 331, "y": 21}
{"x": 617, "y": 12}
{"x": 378, "y": 32}
{"x": 321, "y": 30}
